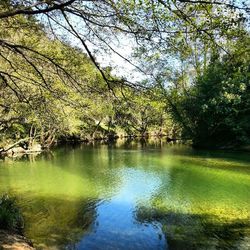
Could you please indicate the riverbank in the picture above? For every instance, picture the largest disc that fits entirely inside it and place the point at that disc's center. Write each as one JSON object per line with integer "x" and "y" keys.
{"x": 18, "y": 148}
{"x": 14, "y": 241}
{"x": 12, "y": 225}
{"x": 19, "y": 152}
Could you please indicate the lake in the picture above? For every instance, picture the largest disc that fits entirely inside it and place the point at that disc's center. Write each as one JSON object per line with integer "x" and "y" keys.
{"x": 132, "y": 195}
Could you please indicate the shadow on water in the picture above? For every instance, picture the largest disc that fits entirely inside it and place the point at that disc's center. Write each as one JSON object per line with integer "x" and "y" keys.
{"x": 87, "y": 224}
{"x": 198, "y": 231}
{"x": 57, "y": 223}
{"x": 148, "y": 195}
{"x": 65, "y": 224}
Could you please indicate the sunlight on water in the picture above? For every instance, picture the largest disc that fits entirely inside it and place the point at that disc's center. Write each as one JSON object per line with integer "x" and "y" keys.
{"x": 130, "y": 196}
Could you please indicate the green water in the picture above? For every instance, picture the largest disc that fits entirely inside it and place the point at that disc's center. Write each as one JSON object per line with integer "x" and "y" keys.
{"x": 132, "y": 196}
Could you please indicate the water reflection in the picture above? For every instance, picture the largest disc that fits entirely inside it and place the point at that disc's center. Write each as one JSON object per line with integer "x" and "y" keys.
{"x": 56, "y": 223}
{"x": 198, "y": 231}
{"x": 132, "y": 196}
{"x": 116, "y": 227}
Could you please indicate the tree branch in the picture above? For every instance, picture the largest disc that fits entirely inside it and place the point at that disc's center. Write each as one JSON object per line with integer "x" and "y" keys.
{"x": 30, "y": 11}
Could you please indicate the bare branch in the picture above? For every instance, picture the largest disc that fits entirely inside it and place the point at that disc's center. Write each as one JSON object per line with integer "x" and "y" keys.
{"x": 30, "y": 11}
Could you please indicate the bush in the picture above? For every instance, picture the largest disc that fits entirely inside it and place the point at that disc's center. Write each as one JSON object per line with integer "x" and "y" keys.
{"x": 10, "y": 216}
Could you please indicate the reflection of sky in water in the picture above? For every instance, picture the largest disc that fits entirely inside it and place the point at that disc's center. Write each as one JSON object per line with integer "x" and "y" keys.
{"x": 119, "y": 198}
{"x": 116, "y": 227}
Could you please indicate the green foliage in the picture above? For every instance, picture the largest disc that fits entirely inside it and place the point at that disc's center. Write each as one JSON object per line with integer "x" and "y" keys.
{"x": 139, "y": 114}
{"x": 216, "y": 108}
{"x": 10, "y": 216}
{"x": 51, "y": 90}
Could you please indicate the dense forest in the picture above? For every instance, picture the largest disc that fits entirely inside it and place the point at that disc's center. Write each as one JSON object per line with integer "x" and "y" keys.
{"x": 193, "y": 56}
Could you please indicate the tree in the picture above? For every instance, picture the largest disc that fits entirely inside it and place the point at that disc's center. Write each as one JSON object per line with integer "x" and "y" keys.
{"x": 216, "y": 108}
{"x": 162, "y": 27}
{"x": 174, "y": 41}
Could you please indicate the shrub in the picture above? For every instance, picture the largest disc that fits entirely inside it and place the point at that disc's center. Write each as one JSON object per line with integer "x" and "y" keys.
{"x": 10, "y": 216}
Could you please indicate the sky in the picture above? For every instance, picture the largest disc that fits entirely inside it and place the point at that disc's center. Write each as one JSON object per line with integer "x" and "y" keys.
{"x": 124, "y": 47}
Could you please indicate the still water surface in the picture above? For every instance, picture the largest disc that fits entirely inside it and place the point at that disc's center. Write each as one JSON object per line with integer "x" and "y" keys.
{"x": 133, "y": 196}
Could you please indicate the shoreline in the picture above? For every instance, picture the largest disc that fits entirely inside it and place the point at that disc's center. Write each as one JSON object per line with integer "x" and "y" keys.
{"x": 14, "y": 241}
{"x": 19, "y": 151}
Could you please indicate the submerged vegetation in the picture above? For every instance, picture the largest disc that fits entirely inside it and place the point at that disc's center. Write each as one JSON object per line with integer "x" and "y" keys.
{"x": 132, "y": 196}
